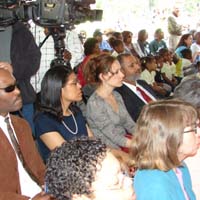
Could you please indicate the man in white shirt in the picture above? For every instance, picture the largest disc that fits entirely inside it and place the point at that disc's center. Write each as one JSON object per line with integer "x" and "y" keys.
{"x": 135, "y": 93}
{"x": 195, "y": 47}
{"x": 74, "y": 46}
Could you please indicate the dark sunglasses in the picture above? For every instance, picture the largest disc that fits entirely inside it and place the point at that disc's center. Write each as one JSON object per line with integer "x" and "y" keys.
{"x": 10, "y": 88}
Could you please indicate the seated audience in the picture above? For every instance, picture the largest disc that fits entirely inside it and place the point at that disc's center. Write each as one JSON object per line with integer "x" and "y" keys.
{"x": 106, "y": 113}
{"x": 184, "y": 42}
{"x": 59, "y": 120}
{"x": 21, "y": 167}
{"x": 135, "y": 93}
{"x": 117, "y": 35}
{"x": 188, "y": 91}
{"x": 166, "y": 134}
{"x": 182, "y": 63}
{"x": 168, "y": 70}
{"x": 85, "y": 169}
{"x": 158, "y": 77}
{"x": 195, "y": 47}
{"x": 103, "y": 44}
{"x": 142, "y": 46}
{"x": 148, "y": 74}
{"x": 127, "y": 39}
{"x": 118, "y": 47}
{"x": 91, "y": 48}
{"x": 158, "y": 42}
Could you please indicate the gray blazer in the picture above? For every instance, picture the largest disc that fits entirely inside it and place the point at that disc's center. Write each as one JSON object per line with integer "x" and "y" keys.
{"x": 107, "y": 124}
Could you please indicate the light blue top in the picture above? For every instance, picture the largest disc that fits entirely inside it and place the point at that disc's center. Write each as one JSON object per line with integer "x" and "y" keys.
{"x": 160, "y": 185}
{"x": 104, "y": 45}
{"x": 178, "y": 51}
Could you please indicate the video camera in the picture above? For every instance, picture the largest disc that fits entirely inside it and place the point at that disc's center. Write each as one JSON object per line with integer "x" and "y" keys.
{"x": 48, "y": 13}
{"x": 56, "y": 15}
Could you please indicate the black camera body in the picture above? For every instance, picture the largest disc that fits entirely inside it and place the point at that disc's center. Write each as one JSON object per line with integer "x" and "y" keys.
{"x": 56, "y": 15}
{"x": 48, "y": 13}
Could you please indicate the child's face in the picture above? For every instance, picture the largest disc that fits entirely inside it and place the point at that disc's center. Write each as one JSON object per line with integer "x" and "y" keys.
{"x": 159, "y": 63}
{"x": 152, "y": 65}
{"x": 167, "y": 57}
{"x": 120, "y": 48}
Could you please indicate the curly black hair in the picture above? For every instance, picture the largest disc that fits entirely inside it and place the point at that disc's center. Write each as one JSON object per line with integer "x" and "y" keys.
{"x": 71, "y": 168}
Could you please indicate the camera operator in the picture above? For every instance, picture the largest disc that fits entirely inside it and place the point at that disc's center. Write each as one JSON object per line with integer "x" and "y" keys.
{"x": 74, "y": 45}
{"x": 18, "y": 47}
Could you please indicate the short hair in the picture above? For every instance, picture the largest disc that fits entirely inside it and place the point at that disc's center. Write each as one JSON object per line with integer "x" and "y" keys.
{"x": 163, "y": 52}
{"x": 115, "y": 43}
{"x": 71, "y": 168}
{"x": 186, "y": 53}
{"x": 188, "y": 90}
{"x": 97, "y": 32}
{"x": 158, "y": 31}
{"x": 125, "y": 35}
{"x": 159, "y": 134}
{"x": 141, "y": 34}
{"x": 121, "y": 58}
{"x": 89, "y": 46}
{"x": 117, "y": 35}
{"x": 196, "y": 35}
{"x": 52, "y": 83}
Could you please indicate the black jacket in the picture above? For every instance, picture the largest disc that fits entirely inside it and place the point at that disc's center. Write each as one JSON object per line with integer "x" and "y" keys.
{"x": 132, "y": 102}
{"x": 25, "y": 58}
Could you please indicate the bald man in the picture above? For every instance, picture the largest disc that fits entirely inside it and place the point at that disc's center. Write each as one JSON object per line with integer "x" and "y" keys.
{"x": 17, "y": 181}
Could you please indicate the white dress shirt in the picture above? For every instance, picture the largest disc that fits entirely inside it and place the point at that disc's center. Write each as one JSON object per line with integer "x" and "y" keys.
{"x": 28, "y": 186}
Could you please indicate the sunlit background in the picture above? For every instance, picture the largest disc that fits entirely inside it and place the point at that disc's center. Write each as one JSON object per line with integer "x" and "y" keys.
{"x": 125, "y": 15}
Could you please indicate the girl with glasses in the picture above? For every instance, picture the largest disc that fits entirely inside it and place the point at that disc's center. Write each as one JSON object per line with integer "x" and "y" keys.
{"x": 59, "y": 120}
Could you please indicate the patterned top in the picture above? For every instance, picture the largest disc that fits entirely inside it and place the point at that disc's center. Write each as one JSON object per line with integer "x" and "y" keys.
{"x": 107, "y": 124}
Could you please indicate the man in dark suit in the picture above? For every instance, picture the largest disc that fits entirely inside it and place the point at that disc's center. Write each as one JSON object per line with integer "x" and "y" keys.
{"x": 135, "y": 93}
{"x": 21, "y": 168}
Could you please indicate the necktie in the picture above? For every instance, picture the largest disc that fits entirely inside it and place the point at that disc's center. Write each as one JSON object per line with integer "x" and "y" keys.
{"x": 18, "y": 151}
{"x": 144, "y": 95}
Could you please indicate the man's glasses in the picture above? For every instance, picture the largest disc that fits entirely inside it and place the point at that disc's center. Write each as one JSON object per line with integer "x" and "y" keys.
{"x": 9, "y": 88}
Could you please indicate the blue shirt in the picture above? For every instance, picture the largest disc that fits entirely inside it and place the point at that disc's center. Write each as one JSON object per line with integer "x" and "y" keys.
{"x": 160, "y": 185}
{"x": 104, "y": 45}
{"x": 179, "y": 49}
{"x": 44, "y": 123}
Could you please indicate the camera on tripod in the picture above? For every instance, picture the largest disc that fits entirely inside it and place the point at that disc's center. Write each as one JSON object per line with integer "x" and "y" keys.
{"x": 48, "y": 13}
{"x": 56, "y": 15}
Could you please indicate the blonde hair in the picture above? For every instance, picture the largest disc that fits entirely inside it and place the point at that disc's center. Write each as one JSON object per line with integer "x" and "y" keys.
{"x": 159, "y": 134}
